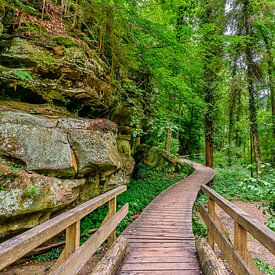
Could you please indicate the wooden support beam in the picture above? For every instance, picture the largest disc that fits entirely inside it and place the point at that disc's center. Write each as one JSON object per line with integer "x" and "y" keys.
{"x": 240, "y": 242}
{"x": 72, "y": 243}
{"x": 212, "y": 214}
{"x": 208, "y": 260}
{"x": 112, "y": 211}
{"x": 110, "y": 263}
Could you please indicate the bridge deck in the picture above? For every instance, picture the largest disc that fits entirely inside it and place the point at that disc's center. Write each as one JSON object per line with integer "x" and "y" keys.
{"x": 161, "y": 240}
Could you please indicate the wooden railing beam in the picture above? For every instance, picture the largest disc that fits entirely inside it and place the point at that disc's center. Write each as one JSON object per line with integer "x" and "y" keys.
{"x": 18, "y": 246}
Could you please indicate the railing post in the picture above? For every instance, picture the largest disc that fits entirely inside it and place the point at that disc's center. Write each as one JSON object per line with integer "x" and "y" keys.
{"x": 240, "y": 243}
{"x": 212, "y": 214}
{"x": 240, "y": 240}
{"x": 112, "y": 211}
{"x": 72, "y": 243}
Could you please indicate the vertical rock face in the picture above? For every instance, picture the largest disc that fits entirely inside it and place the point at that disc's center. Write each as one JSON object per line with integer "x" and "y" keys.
{"x": 50, "y": 158}
{"x": 48, "y": 163}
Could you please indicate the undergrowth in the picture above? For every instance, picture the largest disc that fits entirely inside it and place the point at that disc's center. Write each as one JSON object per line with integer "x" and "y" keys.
{"x": 140, "y": 192}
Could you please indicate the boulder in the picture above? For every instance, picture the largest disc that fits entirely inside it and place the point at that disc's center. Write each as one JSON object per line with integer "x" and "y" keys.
{"x": 31, "y": 195}
{"x": 36, "y": 142}
{"x": 159, "y": 160}
{"x": 60, "y": 147}
{"x": 48, "y": 163}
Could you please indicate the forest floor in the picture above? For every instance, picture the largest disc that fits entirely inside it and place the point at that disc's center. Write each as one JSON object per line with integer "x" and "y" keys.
{"x": 30, "y": 267}
{"x": 256, "y": 249}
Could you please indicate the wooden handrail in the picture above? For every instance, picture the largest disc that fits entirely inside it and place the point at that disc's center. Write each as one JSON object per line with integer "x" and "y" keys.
{"x": 259, "y": 231}
{"x": 18, "y": 246}
{"x": 74, "y": 263}
{"x": 236, "y": 254}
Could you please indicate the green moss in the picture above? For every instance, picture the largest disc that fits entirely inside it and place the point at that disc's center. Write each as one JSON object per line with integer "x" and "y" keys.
{"x": 38, "y": 56}
{"x": 31, "y": 192}
{"x": 33, "y": 28}
{"x": 31, "y": 7}
{"x": 23, "y": 75}
{"x": 63, "y": 41}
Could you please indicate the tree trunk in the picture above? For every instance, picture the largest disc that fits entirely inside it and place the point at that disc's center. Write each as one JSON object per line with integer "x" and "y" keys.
{"x": 270, "y": 69}
{"x": 250, "y": 73}
{"x": 230, "y": 133}
{"x": 209, "y": 129}
{"x": 238, "y": 116}
{"x": 168, "y": 140}
{"x": 213, "y": 15}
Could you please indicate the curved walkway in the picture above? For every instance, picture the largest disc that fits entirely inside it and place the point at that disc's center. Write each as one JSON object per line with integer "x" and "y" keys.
{"x": 161, "y": 240}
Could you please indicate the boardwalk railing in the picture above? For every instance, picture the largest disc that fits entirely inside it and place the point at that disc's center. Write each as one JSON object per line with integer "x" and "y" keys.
{"x": 236, "y": 253}
{"x": 74, "y": 256}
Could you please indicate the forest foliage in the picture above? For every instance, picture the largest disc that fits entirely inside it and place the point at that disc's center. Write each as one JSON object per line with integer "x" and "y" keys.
{"x": 203, "y": 69}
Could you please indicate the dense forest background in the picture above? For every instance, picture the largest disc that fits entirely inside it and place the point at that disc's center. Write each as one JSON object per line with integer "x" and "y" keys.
{"x": 198, "y": 71}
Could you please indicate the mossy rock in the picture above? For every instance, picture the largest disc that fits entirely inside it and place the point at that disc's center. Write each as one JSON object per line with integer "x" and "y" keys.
{"x": 159, "y": 160}
{"x": 63, "y": 41}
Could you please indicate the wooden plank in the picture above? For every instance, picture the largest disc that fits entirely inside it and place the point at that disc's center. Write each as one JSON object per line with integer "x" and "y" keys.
{"x": 259, "y": 231}
{"x": 160, "y": 223}
{"x": 159, "y": 259}
{"x": 16, "y": 247}
{"x": 159, "y": 266}
{"x": 161, "y": 230}
{"x": 160, "y": 234}
{"x": 162, "y": 244}
{"x": 161, "y": 272}
{"x": 144, "y": 237}
{"x": 142, "y": 241}
{"x": 236, "y": 263}
{"x": 76, "y": 261}
{"x": 154, "y": 250}
{"x": 159, "y": 226}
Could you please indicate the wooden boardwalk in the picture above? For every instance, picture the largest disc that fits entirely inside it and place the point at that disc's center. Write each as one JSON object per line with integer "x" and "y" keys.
{"x": 161, "y": 240}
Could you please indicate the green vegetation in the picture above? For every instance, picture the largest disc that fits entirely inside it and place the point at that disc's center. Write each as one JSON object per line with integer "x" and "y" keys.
{"x": 31, "y": 192}
{"x": 64, "y": 41}
{"x": 264, "y": 267}
{"x": 23, "y": 75}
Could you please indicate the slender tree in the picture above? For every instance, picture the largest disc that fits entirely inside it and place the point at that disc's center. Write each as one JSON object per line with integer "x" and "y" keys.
{"x": 251, "y": 75}
{"x": 213, "y": 26}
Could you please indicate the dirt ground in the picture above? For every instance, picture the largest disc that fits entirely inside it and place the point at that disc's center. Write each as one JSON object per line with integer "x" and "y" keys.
{"x": 41, "y": 268}
{"x": 256, "y": 249}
